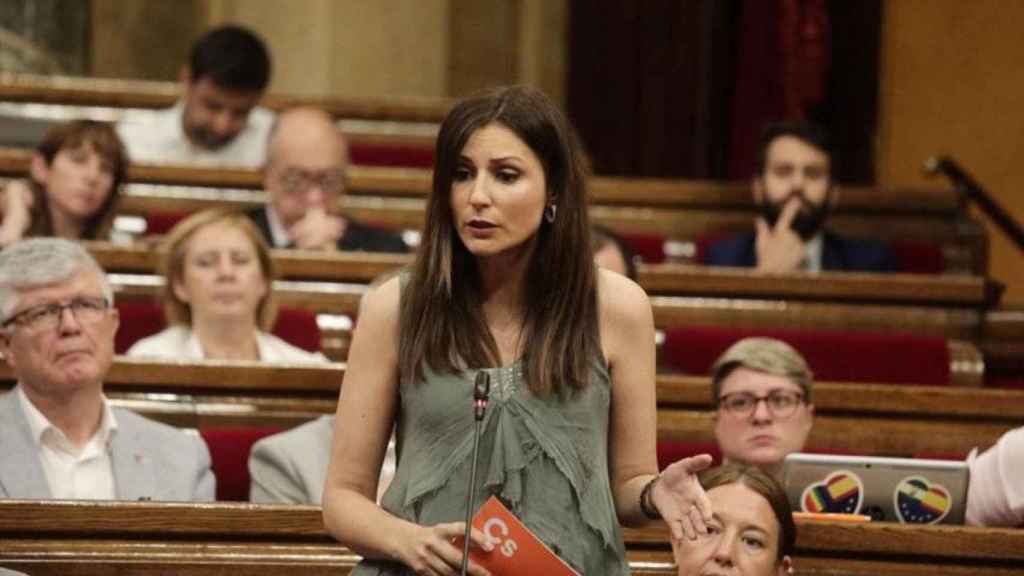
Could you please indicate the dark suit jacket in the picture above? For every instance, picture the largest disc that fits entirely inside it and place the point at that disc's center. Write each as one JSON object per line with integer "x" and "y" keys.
{"x": 837, "y": 253}
{"x": 357, "y": 236}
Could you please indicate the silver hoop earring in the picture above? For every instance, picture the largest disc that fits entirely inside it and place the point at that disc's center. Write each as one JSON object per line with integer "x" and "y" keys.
{"x": 549, "y": 213}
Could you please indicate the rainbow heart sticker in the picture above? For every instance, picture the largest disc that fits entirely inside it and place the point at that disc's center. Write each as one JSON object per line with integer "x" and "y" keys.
{"x": 841, "y": 492}
{"x": 919, "y": 501}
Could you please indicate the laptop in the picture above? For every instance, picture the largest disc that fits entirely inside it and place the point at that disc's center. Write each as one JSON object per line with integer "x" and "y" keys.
{"x": 904, "y": 490}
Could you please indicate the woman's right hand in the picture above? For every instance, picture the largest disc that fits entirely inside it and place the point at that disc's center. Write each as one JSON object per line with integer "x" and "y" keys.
{"x": 437, "y": 550}
{"x": 17, "y": 207}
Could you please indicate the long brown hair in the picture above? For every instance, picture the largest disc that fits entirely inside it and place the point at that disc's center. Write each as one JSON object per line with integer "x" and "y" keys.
{"x": 104, "y": 140}
{"x": 442, "y": 320}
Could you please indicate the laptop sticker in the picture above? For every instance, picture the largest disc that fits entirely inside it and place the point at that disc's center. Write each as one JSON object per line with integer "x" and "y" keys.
{"x": 842, "y": 492}
{"x": 919, "y": 501}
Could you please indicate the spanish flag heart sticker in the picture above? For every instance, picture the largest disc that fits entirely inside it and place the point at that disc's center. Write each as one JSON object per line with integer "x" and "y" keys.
{"x": 841, "y": 493}
{"x": 919, "y": 501}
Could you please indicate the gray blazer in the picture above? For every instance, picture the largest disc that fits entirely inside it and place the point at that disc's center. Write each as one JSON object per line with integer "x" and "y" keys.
{"x": 291, "y": 467}
{"x": 151, "y": 461}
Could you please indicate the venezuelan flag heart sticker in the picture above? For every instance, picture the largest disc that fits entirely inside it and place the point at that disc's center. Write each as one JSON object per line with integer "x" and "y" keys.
{"x": 842, "y": 492}
{"x": 920, "y": 501}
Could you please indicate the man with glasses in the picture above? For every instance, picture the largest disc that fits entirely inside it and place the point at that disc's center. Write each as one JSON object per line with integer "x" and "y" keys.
{"x": 307, "y": 159}
{"x": 762, "y": 388}
{"x": 59, "y": 436}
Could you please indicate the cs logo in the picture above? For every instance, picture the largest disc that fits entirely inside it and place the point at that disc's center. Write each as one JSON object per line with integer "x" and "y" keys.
{"x": 496, "y": 532}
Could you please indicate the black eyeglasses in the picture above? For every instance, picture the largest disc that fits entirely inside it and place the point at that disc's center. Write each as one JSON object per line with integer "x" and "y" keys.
{"x": 47, "y": 316}
{"x": 296, "y": 181}
{"x": 780, "y": 403}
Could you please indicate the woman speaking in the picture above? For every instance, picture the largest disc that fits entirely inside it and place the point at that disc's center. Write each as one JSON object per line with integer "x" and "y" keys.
{"x": 504, "y": 282}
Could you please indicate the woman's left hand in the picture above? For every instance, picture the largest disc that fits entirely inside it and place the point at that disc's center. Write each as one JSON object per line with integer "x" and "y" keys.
{"x": 681, "y": 500}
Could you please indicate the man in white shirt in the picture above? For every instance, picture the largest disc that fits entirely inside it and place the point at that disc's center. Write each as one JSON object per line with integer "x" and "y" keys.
{"x": 59, "y": 436}
{"x": 216, "y": 120}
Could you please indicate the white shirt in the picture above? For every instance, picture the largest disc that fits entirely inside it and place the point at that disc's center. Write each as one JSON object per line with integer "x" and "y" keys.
{"x": 278, "y": 233}
{"x": 160, "y": 139}
{"x": 812, "y": 253}
{"x": 995, "y": 495}
{"x": 180, "y": 342}
{"x": 72, "y": 473}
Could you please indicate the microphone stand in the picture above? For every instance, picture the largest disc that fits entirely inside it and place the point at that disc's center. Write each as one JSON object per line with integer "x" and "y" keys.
{"x": 977, "y": 194}
{"x": 481, "y": 394}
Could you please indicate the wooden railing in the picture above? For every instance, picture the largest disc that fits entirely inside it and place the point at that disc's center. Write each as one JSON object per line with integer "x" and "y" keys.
{"x": 77, "y": 91}
{"x": 108, "y": 538}
{"x": 882, "y": 419}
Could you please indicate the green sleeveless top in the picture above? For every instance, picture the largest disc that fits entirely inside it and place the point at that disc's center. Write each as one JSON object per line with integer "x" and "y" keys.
{"x": 546, "y": 459}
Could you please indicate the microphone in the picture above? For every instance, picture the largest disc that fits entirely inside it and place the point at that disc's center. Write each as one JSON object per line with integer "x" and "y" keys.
{"x": 481, "y": 395}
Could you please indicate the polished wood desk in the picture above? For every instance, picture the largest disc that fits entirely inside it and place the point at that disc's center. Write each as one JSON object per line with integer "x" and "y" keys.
{"x": 64, "y": 537}
{"x": 416, "y": 183}
{"x": 115, "y": 93}
{"x": 955, "y": 291}
{"x": 879, "y": 419}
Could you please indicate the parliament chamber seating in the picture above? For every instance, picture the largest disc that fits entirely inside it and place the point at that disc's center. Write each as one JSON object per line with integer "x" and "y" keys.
{"x": 833, "y": 356}
{"x": 229, "y": 454}
{"x": 135, "y": 538}
{"x": 141, "y": 318}
{"x": 912, "y": 257}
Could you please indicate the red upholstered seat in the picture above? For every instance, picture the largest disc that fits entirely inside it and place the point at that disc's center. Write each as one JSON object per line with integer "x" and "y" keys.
{"x": 832, "y": 356}
{"x": 918, "y": 257}
{"x": 298, "y": 327}
{"x": 229, "y": 452}
{"x": 398, "y": 155}
{"x": 649, "y": 247}
{"x": 997, "y": 382}
{"x": 141, "y": 319}
{"x": 138, "y": 320}
{"x": 160, "y": 223}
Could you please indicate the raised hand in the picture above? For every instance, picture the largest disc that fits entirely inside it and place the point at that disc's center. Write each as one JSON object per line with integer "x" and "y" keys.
{"x": 17, "y": 211}
{"x": 437, "y": 550}
{"x": 681, "y": 500}
{"x": 317, "y": 230}
{"x": 779, "y": 248}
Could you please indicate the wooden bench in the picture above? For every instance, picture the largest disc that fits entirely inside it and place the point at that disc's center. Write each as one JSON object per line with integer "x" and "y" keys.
{"x": 143, "y": 94}
{"x": 679, "y": 210}
{"x": 877, "y": 419}
{"x": 122, "y": 538}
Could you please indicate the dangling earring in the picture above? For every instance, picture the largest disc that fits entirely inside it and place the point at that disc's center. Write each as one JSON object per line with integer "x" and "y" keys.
{"x": 549, "y": 213}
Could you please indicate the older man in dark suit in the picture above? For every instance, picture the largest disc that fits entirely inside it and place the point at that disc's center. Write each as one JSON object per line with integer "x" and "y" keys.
{"x": 59, "y": 436}
{"x": 305, "y": 175}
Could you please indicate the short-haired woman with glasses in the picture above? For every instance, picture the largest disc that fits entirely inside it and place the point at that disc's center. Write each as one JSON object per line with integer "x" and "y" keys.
{"x": 762, "y": 389}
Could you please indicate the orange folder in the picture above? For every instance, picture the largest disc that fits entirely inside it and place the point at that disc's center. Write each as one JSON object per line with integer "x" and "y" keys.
{"x": 516, "y": 549}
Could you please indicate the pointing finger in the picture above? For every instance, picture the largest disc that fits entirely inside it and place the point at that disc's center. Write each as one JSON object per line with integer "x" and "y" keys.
{"x": 789, "y": 212}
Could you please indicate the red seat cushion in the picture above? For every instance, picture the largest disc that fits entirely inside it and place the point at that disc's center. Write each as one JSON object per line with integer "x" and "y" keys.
{"x": 141, "y": 319}
{"x": 918, "y": 257}
{"x": 298, "y": 327}
{"x": 138, "y": 320}
{"x": 649, "y": 247}
{"x": 160, "y": 223}
{"x": 229, "y": 452}
{"x": 832, "y": 356}
{"x": 398, "y": 155}
{"x": 999, "y": 382}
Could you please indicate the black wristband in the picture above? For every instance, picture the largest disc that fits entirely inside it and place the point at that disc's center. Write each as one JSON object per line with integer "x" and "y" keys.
{"x": 646, "y": 506}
